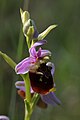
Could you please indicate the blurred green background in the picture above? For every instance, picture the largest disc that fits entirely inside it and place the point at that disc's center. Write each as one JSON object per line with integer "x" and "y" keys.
{"x": 63, "y": 42}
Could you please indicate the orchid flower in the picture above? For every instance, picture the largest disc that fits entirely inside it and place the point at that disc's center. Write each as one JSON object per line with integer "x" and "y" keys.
{"x": 32, "y": 62}
{"x": 44, "y": 84}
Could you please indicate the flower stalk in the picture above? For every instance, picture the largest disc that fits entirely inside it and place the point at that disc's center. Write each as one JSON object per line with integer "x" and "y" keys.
{"x": 27, "y": 111}
{"x": 28, "y": 41}
{"x": 27, "y": 87}
{"x": 30, "y": 107}
{"x": 27, "y": 99}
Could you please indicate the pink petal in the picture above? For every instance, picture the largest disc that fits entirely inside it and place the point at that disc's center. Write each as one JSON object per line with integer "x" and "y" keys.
{"x": 24, "y": 66}
{"x": 40, "y": 42}
{"x": 21, "y": 86}
{"x": 39, "y": 52}
{"x": 45, "y": 53}
{"x": 33, "y": 52}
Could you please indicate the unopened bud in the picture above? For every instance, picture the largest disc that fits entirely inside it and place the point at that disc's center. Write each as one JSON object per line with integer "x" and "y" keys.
{"x": 28, "y": 28}
{"x": 24, "y": 16}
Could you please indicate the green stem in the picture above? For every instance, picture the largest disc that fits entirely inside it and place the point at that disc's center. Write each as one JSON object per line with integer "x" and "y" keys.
{"x": 27, "y": 100}
{"x": 30, "y": 107}
{"x": 27, "y": 113}
{"x": 28, "y": 41}
{"x": 29, "y": 103}
{"x": 27, "y": 87}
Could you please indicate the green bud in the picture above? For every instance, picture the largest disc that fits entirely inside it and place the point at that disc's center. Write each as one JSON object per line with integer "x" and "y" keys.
{"x": 28, "y": 29}
{"x": 24, "y": 16}
{"x": 44, "y": 34}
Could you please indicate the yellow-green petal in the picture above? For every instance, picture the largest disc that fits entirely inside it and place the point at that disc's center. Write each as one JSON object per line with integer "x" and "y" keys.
{"x": 24, "y": 16}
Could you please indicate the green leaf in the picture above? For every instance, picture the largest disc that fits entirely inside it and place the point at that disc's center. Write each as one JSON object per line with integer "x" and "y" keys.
{"x": 8, "y": 60}
{"x": 44, "y": 34}
{"x": 34, "y": 99}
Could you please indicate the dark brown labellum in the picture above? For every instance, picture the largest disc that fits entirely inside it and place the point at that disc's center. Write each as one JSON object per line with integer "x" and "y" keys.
{"x": 41, "y": 81}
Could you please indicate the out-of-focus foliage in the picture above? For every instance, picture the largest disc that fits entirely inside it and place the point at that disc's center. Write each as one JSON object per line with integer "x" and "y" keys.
{"x": 64, "y": 43}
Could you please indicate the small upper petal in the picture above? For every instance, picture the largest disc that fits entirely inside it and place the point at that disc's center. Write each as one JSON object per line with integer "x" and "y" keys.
{"x": 33, "y": 52}
{"x": 39, "y": 52}
{"x": 45, "y": 53}
{"x": 39, "y": 43}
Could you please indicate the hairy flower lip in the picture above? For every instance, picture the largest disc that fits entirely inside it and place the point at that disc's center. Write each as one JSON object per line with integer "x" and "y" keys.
{"x": 42, "y": 83}
{"x": 40, "y": 77}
